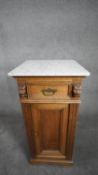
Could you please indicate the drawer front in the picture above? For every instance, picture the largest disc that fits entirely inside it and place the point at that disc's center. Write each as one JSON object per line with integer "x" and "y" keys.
{"x": 47, "y": 91}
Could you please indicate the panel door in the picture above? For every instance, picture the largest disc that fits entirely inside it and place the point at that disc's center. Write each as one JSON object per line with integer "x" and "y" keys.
{"x": 49, "y": 129}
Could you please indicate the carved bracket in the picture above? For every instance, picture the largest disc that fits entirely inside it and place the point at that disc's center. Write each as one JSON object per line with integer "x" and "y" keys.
{"x": 22, "y": 90}
{"x": 76, "y": 89}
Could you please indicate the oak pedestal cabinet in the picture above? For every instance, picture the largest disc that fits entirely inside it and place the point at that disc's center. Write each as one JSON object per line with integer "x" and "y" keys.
{"x": 49, "y": 104}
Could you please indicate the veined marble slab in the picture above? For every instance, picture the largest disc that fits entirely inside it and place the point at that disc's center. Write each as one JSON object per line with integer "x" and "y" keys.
{"x": 49, "y": 68}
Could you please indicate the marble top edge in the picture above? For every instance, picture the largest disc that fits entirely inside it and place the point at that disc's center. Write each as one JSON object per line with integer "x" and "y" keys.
{"x": 49, "y": 68}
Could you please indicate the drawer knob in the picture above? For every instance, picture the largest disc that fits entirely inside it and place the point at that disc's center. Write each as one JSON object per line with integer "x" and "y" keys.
{"x": 49, "y": 91}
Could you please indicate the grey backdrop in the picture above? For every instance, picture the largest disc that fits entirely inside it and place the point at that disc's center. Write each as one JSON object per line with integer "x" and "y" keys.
{"x": 48, "y": 29}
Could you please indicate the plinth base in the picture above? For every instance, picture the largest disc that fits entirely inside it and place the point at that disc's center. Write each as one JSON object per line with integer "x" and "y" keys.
{"x": 54, "y": 162}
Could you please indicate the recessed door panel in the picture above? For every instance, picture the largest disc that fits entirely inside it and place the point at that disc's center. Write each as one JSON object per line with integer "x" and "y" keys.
{"x": 49, "y": 127}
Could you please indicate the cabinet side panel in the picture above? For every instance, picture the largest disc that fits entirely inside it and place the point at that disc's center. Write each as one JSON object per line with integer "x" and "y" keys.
{"x": 26, "y": 108}
{"x": 73, "y": 109}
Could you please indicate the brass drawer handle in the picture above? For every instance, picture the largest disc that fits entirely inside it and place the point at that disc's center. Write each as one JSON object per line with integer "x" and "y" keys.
{"x": 49, "y": 91}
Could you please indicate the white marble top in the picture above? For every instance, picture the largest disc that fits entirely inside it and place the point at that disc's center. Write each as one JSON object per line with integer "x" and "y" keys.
{"x": 49, "y": 68}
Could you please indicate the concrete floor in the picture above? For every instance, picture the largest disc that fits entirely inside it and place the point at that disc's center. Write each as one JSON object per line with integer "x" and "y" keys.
{"x": 48, "y": 29}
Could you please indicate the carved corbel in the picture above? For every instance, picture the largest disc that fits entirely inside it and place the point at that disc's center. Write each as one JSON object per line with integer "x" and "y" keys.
{"x": 22, "y": 90}
{"x": 76, "y": 90}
